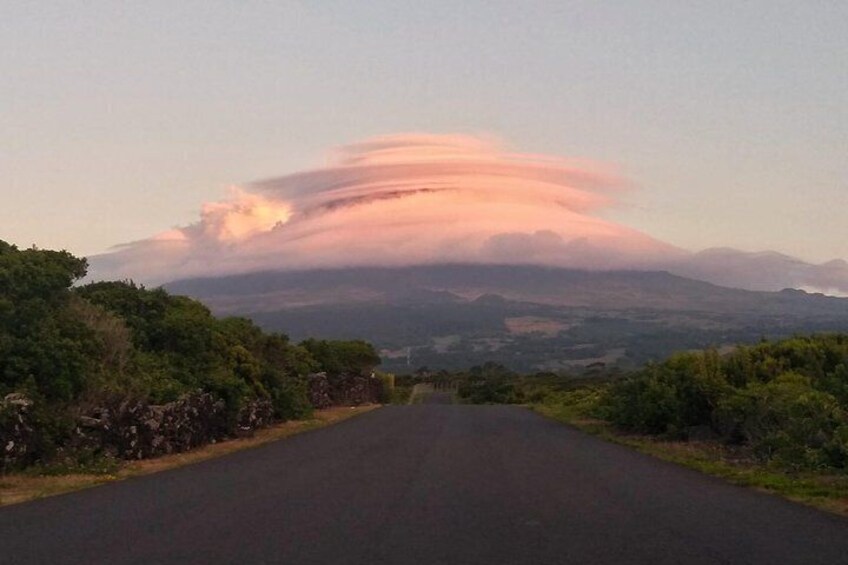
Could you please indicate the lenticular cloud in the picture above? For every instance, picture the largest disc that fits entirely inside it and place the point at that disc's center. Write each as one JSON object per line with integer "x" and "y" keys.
{"x": 402, "y": 200}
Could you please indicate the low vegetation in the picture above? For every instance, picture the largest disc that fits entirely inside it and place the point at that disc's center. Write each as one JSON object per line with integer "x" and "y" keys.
{"x": 786, "y": 402}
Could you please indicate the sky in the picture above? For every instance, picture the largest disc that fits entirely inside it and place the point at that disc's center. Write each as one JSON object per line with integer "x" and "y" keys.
{"x": 727, "y": 121}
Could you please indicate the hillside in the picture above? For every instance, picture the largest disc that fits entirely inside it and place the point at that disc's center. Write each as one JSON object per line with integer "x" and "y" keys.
{"x": 526, "y": 317}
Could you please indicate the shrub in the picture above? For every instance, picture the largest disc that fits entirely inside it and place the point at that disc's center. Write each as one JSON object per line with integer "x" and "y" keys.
{"x": 787, "y": 401}
{"x": 788, "y": 421}
{"x": 289, "y": 396}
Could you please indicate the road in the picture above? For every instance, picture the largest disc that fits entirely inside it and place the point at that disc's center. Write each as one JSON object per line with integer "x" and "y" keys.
{"x": 425, "y": 484}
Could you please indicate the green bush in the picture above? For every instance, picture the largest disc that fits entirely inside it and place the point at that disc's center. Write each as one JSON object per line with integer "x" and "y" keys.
{"x": 387, "y": 387}
{"x": 289, "y": 396}
{"x": 336, "y": 357}
{"x": 670, "y": 397}
{"x": 788, "y": 421}
{"x": 787, "y": 401}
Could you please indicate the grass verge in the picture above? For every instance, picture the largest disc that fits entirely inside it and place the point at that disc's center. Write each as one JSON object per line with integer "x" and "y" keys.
{"x": 20, "y": 487}
{"x": 825, "y": 491}
{"x": 400, "y": 395}
{"x": 419, "y": 391}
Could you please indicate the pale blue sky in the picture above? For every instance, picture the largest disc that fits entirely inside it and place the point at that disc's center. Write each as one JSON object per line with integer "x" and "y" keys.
{"x": 119, "y": 119}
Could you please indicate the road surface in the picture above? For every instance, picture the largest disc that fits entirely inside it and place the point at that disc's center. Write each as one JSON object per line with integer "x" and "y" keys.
{"x": 425, "y": 484}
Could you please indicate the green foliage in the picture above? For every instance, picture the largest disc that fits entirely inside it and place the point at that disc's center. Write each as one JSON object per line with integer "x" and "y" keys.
{"x": 67, "y": 348}
{"x": 788, "y": 421}
{"x": 388, "y": 386}
{"x": 490, "y": 383}
{"x": 336, "y": 357}
{"x": 41, "y": 342}
{"x": 787, "y": 401}
{"x": 671, "y": 396}
{"x": 289, "y": 396}
{"x": 183, "y": 347}
{"x": 493, "y": 383}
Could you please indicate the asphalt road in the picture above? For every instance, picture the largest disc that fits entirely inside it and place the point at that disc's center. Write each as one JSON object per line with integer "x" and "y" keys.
{"x": 438, "y": 397}
{"x": 425, "y": 484}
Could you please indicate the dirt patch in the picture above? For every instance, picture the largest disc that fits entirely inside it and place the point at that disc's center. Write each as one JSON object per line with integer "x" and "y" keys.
{"x": 531, "y": 324}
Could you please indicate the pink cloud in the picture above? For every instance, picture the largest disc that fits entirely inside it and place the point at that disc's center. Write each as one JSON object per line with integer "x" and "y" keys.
{"x": 403, "y": 200}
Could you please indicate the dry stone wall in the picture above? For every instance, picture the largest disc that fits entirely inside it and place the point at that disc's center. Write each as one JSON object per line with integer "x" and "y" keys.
{"x": 17, "y": 432}
{"x": 345, "y": 389}
{"x": 134, "y": 429}
{"x": 131, "y": 428}
{"x": 128, "y": 428}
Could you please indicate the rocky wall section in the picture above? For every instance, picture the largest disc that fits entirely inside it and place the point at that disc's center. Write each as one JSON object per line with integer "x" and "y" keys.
{"x": 127, "y": 428}
{"x": 130, "y": 428}
{"x": 345, "y": 389}
{"x": 134, "y": 429}
{"x": 253, "y": 416}
{"x": 17, "y": 432}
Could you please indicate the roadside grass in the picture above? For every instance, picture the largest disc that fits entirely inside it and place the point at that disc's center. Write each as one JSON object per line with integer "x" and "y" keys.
{"x": 422, "y": 390}
{"x": 419, "y": 392}
{"x": 823, "y": 490}
{"x": 49, "y": 481}
{"x": 400, "y": 395}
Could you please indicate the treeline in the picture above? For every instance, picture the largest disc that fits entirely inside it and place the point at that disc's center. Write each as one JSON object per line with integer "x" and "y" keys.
{"x": 66, "y": 349}
{"x": 494, "y": 383}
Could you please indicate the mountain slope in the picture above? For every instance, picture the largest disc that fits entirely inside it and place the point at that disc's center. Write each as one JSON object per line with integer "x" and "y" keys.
{"x": 524, "y": 316}
{"x": 767, "y": 270}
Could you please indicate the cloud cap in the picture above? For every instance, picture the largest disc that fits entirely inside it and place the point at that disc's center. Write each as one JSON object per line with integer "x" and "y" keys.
{"x": 403, "y": 200}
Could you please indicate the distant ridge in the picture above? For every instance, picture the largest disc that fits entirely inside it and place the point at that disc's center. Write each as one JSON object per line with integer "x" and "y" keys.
{"x": 766, "y": 270}
{"x": 526, "y": 316}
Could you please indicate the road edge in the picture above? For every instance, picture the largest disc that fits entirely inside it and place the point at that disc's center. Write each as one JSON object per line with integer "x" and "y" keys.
{"x": 17, "y": 488}
{"x": 813, "y": 493}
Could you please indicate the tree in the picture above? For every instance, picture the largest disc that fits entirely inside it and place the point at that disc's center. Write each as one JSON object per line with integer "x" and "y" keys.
{"x": 335, "y": 357}
{"x": 42, "y": 346}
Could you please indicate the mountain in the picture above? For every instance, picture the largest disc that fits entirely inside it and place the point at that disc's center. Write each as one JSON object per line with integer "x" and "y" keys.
{"x": 767, "y": 270}
{"x": 527, "y": 317}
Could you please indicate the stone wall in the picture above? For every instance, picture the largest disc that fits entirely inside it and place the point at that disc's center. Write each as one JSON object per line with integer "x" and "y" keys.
{"x": 17, "y": 435}
{"x": 253, "y": 416}
{"x": 134, "y": 429}
{"x": 345, "y": 389}
{"x": 128, "y": 428}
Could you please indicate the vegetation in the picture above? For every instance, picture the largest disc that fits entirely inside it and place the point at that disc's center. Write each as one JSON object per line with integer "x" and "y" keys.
{"x": 786, "y": 401}
{"x": 493, "y": 383}
{"x": 67, "y": 348}
{"x": 490, "y": 383}
{"x": 353, "y": 356}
